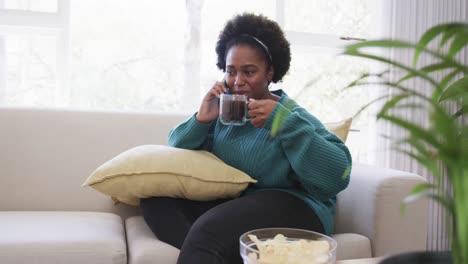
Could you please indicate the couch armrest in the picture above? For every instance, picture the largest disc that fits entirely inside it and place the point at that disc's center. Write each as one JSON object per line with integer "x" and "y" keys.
{"x": 370, "y": 206}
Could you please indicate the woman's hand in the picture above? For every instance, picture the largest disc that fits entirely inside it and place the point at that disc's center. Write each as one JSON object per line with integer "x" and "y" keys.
{"x": 209, "y": 108}
{"x": 260, "y": 110}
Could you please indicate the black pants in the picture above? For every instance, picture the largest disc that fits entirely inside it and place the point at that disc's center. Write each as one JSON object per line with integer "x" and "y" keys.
{"x": 208, "y": 232}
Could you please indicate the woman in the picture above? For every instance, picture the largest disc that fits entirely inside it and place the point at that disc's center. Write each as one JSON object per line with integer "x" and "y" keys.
{"x": 299, "y": 171}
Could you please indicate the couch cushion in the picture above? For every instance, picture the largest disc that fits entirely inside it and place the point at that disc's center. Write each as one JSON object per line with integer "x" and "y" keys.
{"x": 61, "y": 237}
{"x": 145, "y": 248}
{"x": 158, "y": 170}
{"x": 352, "y": 246}
{"x": 341, "y": 128}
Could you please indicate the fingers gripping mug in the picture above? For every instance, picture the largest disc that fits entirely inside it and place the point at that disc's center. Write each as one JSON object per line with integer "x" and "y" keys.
{"x": 233, "y": 109}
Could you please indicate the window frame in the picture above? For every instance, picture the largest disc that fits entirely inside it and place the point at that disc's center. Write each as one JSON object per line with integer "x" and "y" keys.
{"x": 25, "y": 22}
{"x": 57, "y": 24}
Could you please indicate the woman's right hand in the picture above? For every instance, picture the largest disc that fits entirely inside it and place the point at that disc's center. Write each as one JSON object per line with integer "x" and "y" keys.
{"x": 209, "y": 108}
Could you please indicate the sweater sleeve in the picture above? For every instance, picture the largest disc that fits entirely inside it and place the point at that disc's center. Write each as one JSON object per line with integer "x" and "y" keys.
{"x": 192, "y": 134}
{"x": 320, "y": 160}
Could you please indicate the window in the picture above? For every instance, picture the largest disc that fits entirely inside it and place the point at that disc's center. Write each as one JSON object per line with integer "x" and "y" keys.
{"x": 31, "y": 69}
{"x": 36, "y": 5}
{"x": 151, "y": 56}
{"x": 127, "y": 55}
{"x": 33, "y": 47}
{"x": 318, "y": 73}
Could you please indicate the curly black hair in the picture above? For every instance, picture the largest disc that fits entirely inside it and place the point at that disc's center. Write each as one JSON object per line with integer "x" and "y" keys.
{"x": 261, "y": 28}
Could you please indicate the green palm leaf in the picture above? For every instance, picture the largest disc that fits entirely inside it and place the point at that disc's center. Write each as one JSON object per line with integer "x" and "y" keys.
{"x": 448, "y": 31}
{"x": 353, "y": 50}
{"x": 415, "y": 130}
{"x": 393, "y": 102}
{"x": 445, "y": 128}
{"x": 448, "y": 78}
{"x": 416, "y": 193}
{"x": 460, "y": 112}
{"x": 380, "y": 98}
{"x": 455, "y": 90}
{"x": 427, "y": 37}
{"x": 416, "y": 72}
{"x": 430, "y": 165}
{"x": 460, "y": 40}
{"x": 442, "y": 145}
{"x": 447, "y": 35}
{"x": 444, "y": 200}
{"x": 428, "y": 69}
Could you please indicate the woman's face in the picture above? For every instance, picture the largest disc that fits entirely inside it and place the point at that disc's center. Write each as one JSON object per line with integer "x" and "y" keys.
{"x": 247, "y": 72}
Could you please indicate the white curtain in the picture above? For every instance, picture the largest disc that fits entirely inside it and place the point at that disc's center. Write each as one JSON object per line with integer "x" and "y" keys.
{"x": 2, "y": 63}
{"x": 408, "y": 20}
{"x": 2, "y": 68}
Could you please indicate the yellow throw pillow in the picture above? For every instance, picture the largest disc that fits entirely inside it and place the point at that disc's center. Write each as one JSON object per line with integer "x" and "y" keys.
{"x": 155, "y": 170}
{"x": 341, "y": 129}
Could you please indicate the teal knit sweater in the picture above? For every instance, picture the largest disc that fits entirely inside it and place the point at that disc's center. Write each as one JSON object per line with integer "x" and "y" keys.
{"x": 303, "y": 158}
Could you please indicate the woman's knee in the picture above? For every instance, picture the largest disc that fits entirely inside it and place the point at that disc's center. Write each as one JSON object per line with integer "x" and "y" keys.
{"x": 211, "y": 236}
{"x": 164, "y": 221}
{"x": 208, "y": 227}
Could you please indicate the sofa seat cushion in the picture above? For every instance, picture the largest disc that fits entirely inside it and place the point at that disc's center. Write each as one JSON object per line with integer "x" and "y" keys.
{"x": 352, "y": 246}
{"x": 145, "y": 248}
{"x": 61, "y": 237}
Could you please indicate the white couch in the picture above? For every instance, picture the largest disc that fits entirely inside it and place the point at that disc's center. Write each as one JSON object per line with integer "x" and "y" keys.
{"x": 47, "y": 217}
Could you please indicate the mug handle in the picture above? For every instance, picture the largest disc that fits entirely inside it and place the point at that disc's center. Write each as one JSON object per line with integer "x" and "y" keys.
{"x": 247, "y": 118}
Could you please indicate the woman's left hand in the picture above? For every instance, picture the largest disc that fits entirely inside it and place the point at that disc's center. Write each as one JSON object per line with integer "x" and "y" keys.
{"x": 260, "y": 110}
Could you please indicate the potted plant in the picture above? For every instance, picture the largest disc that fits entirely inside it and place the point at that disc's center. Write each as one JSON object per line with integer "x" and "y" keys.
{"x": 441, "y": 145}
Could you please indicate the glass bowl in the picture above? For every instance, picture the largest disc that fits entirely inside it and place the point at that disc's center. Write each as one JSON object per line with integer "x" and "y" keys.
{"x": 287, "y": 252}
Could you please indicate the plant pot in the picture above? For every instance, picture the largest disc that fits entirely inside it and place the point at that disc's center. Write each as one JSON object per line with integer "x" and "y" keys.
{"x": 441, "y": 257}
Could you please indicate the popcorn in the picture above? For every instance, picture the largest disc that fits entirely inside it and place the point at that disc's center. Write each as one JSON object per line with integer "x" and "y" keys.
{"x": 281, "y": 250}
